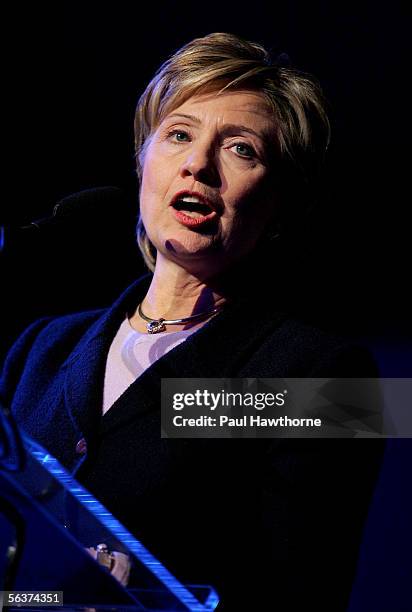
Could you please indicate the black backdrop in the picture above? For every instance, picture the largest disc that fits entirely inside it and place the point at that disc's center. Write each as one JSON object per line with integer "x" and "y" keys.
{"x": 72, "y": 78}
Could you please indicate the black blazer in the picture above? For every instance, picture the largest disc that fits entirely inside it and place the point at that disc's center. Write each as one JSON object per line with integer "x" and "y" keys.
{"x": 273, "y": 525}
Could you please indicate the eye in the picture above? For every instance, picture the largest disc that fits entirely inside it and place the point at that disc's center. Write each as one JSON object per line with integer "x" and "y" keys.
{"x": 178, "y": 136}
{"x": 244, "y": 150}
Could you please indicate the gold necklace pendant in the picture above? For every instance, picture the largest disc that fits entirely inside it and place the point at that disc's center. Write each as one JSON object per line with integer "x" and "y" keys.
{"x": 156, "y": 326}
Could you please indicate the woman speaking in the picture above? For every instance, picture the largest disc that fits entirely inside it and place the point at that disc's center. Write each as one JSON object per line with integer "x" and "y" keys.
{"x": 228, "y": 149}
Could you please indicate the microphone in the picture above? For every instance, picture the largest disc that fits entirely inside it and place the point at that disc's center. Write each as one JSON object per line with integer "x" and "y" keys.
{"x": 82, "y": 208}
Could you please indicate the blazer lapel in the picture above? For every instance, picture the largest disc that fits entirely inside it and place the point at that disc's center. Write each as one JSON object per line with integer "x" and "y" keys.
{"x": 85, "y": 368}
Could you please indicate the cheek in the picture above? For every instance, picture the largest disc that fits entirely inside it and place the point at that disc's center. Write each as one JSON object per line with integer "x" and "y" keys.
{"x": 153, "y": 185}
{"x": 252, "y": 196}
{"x": 150, "y": 169}
{"x": 252, "y": 210}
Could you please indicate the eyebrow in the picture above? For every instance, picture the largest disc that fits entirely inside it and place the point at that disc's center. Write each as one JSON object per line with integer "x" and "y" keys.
{"x": 229, "y": 128}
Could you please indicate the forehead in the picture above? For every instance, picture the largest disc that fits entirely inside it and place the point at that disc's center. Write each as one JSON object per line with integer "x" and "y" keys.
{"x": 241, "y": 105}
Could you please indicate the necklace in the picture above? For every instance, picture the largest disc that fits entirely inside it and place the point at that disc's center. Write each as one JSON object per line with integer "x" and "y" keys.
{"x": 155, "y": 326}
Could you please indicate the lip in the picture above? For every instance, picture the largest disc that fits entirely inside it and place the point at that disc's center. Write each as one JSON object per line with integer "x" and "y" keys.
{"x": 192, "y": 221}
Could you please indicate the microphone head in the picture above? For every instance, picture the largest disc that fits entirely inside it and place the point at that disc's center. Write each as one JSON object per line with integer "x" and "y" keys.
{"x": 97, "y": 200}
{"x": 103, "y": 207}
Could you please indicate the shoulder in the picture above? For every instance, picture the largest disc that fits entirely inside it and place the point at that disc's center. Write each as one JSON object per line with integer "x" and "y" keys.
{"x": 296, "y": 348}
{"x": 48, "y": 341}
{"x": 51, "y": 332}
{"x": 65, "y": 328}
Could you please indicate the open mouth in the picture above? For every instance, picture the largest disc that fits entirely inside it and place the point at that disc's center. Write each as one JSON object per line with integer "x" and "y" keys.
{"x": 192, "y": 209}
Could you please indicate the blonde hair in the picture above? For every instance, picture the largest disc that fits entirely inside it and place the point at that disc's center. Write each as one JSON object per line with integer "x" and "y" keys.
{"x": 221, "y": 61}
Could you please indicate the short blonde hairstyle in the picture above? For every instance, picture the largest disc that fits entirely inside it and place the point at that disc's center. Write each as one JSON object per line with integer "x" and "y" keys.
{"x": 221, "y": 61}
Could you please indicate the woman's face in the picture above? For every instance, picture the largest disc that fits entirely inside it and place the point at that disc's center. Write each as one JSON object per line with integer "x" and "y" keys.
{"x": 208, "y": 191}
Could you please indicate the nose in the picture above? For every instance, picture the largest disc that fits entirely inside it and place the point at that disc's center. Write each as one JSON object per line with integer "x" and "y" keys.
{"x": 200, "y": 163}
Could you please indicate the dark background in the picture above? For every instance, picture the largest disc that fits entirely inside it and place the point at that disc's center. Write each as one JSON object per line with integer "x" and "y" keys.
{"x": 72, "y": 78}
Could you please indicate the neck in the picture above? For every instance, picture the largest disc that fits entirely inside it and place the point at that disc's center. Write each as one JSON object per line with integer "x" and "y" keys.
{"x": 176, "y": 293}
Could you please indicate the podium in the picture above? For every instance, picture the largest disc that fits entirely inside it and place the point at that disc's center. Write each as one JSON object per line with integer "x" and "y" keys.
{"x": 47, "y": 520}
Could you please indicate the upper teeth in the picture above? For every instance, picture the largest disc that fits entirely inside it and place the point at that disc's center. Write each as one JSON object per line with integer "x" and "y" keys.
{"x": 191, "y": 200}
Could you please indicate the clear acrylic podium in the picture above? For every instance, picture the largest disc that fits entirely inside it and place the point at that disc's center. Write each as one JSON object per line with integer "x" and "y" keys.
{"x": 47, "y": 520}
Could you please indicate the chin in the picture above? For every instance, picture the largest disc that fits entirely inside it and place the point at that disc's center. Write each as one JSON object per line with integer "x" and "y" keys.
{"x": 189, "y": 244}
{"x": 193, "y": 257}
